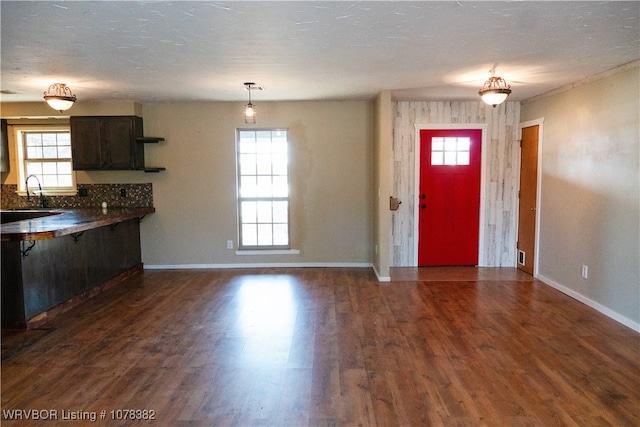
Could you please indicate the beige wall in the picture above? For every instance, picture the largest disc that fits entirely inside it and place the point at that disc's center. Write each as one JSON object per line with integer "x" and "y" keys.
{"x": 42, "y": 110}
{"x": 383, "y": 184}
{"x": 195, "y": 198}
{"x": 590, "y": 192}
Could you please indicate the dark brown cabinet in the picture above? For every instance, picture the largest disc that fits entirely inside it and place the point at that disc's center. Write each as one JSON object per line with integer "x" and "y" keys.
{"x": 64, "y": 268}
{"x": 4, "y": 148}
{"x": 107, "y": 143}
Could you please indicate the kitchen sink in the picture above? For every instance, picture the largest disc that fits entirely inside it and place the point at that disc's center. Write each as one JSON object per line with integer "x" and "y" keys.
{"x": 13, "y": 215}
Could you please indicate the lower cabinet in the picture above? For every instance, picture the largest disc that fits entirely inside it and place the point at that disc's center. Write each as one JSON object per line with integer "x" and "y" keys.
{"x": 57, "y": 270}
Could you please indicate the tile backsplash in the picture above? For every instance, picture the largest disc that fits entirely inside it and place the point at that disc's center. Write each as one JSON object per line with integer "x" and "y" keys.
{"x": 116, "y": 195}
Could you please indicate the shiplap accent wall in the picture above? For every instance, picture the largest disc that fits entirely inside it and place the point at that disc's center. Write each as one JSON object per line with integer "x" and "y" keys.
{"x": 500, "y": 174}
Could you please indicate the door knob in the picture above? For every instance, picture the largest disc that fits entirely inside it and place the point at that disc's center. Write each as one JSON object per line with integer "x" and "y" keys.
{"x": 533, "y": 209}
{"x": 423, "y": 206}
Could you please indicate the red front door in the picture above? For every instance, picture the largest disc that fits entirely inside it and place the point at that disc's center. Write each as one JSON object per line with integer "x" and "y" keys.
{"x": 449, "y": 198}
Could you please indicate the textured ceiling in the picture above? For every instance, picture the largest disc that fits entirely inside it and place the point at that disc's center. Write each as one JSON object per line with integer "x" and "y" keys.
{"x": 302, "y": 50}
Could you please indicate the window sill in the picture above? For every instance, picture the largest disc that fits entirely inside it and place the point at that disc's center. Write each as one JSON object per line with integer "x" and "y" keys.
{"x": 270, "y": 252}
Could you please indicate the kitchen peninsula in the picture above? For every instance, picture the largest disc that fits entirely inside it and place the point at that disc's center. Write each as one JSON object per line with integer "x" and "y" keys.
{"x": 53, "y": 262}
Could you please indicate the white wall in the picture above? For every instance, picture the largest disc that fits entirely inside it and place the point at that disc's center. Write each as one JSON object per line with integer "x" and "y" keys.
{"x": 590, "y": 192}
{"x": 500, "y": 171}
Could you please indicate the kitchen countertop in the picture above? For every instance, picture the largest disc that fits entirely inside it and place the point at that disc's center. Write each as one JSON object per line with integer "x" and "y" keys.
{"x": 68, "y": 221}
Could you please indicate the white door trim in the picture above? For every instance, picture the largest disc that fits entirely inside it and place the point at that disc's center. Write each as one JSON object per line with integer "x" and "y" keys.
{"x": 483, "y": 166}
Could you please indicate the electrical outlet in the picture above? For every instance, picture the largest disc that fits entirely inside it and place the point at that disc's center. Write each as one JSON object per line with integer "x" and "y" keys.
{"x": 83, "y": 192}
{"x": 585, "y": 271}
{"x": 123, "y": 192}
{"x": 229, "y": 244}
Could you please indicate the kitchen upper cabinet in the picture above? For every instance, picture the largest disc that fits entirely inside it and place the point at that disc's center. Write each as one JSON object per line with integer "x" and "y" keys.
{"x": 107, "y": 142}
{"x": 4, "y": 148}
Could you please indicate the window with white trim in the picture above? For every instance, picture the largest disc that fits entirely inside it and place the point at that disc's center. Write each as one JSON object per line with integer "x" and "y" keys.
{"x": 263, "y": 189}
{"x": 45, "y": 151}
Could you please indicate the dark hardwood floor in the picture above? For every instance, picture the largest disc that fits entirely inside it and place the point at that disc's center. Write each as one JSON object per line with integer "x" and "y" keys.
{"x": 327, "y": 347}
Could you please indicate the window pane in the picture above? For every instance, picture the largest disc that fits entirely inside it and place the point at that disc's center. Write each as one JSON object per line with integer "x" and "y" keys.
{"x": 450, "y": 158}
{"x": 49, "y": 139}
{"x": 247, "y": 164}
{"x": 280, "y": 234}
{"x": 265, "y": 236}
{"x": 437, "y": 144}
{"x": 463, "y": 158}
{"x": 280, "y": 186}
{"x": 49, "y": 181}
{"x": 249, "y": 234}
{"x": 437, "y": 158}
{"x": 279, "y": 146}
{"x": 264, "y": 164}
{"x": 34, "y": 168}
{"x": 64, "y": 152}
{"x": 249, "y": 212}
{"x": 248, "y": 186}
{"x": 281, "y": 212}
{"x": 450, "y": 144}
{"x": 280, "y": 165}
{"x": 264, "y": 187}
{"x": 49, "y": 168}
{"x": 247, "y": 146}
{"x": 263, "y": 142}
{"x": 264, "y": 212}
{"x": 50, "y": 153}
{"x": 34, "y": 139}
{"x": 464, "y": 144}
{"x": 64, "y": 168}
{"x": 34, "y": 152}
{"x": 279, "y": 136}
{"x": 64, "y": 139}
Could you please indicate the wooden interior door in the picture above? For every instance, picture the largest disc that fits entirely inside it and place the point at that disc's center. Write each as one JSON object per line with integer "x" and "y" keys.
{"x": 449, "y": 197}
{"x": 527, "y": 203}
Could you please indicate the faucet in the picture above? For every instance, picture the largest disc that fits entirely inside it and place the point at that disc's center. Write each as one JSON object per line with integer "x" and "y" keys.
{"x": 43, "y": 201}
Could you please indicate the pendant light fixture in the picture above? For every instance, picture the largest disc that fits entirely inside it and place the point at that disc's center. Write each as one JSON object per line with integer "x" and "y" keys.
{"x": 495, "y": 91}
{"x": 250, "y": 109}
{"x": 59, "y": 97}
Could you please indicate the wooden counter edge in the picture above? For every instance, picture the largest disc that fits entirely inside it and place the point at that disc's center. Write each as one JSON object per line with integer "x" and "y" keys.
{"x": 51, "y": 234}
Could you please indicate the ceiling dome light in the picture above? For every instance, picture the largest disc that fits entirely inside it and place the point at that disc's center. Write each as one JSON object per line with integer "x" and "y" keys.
{"x": 495, "y": 91}
{"x": 59, "y": 97}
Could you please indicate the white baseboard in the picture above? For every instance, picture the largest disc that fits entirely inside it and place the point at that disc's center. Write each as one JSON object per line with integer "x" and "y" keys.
{"x": 380, "y": 278}
{"x": 256, "y": 265}
{"x": 596, "y": 306}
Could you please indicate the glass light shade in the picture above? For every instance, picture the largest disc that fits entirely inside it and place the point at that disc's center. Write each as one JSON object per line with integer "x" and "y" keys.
{"x": 59, "y": 103}
{"x": 495, "y": 96}
{"x": 495, "y": 91}
{"x": 249, "y": 113}
{"x": 59, "y": 97}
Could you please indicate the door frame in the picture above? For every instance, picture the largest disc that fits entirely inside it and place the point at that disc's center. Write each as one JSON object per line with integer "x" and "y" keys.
{"x": 536, "y": 238}
{"x": 483, "y": 163}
